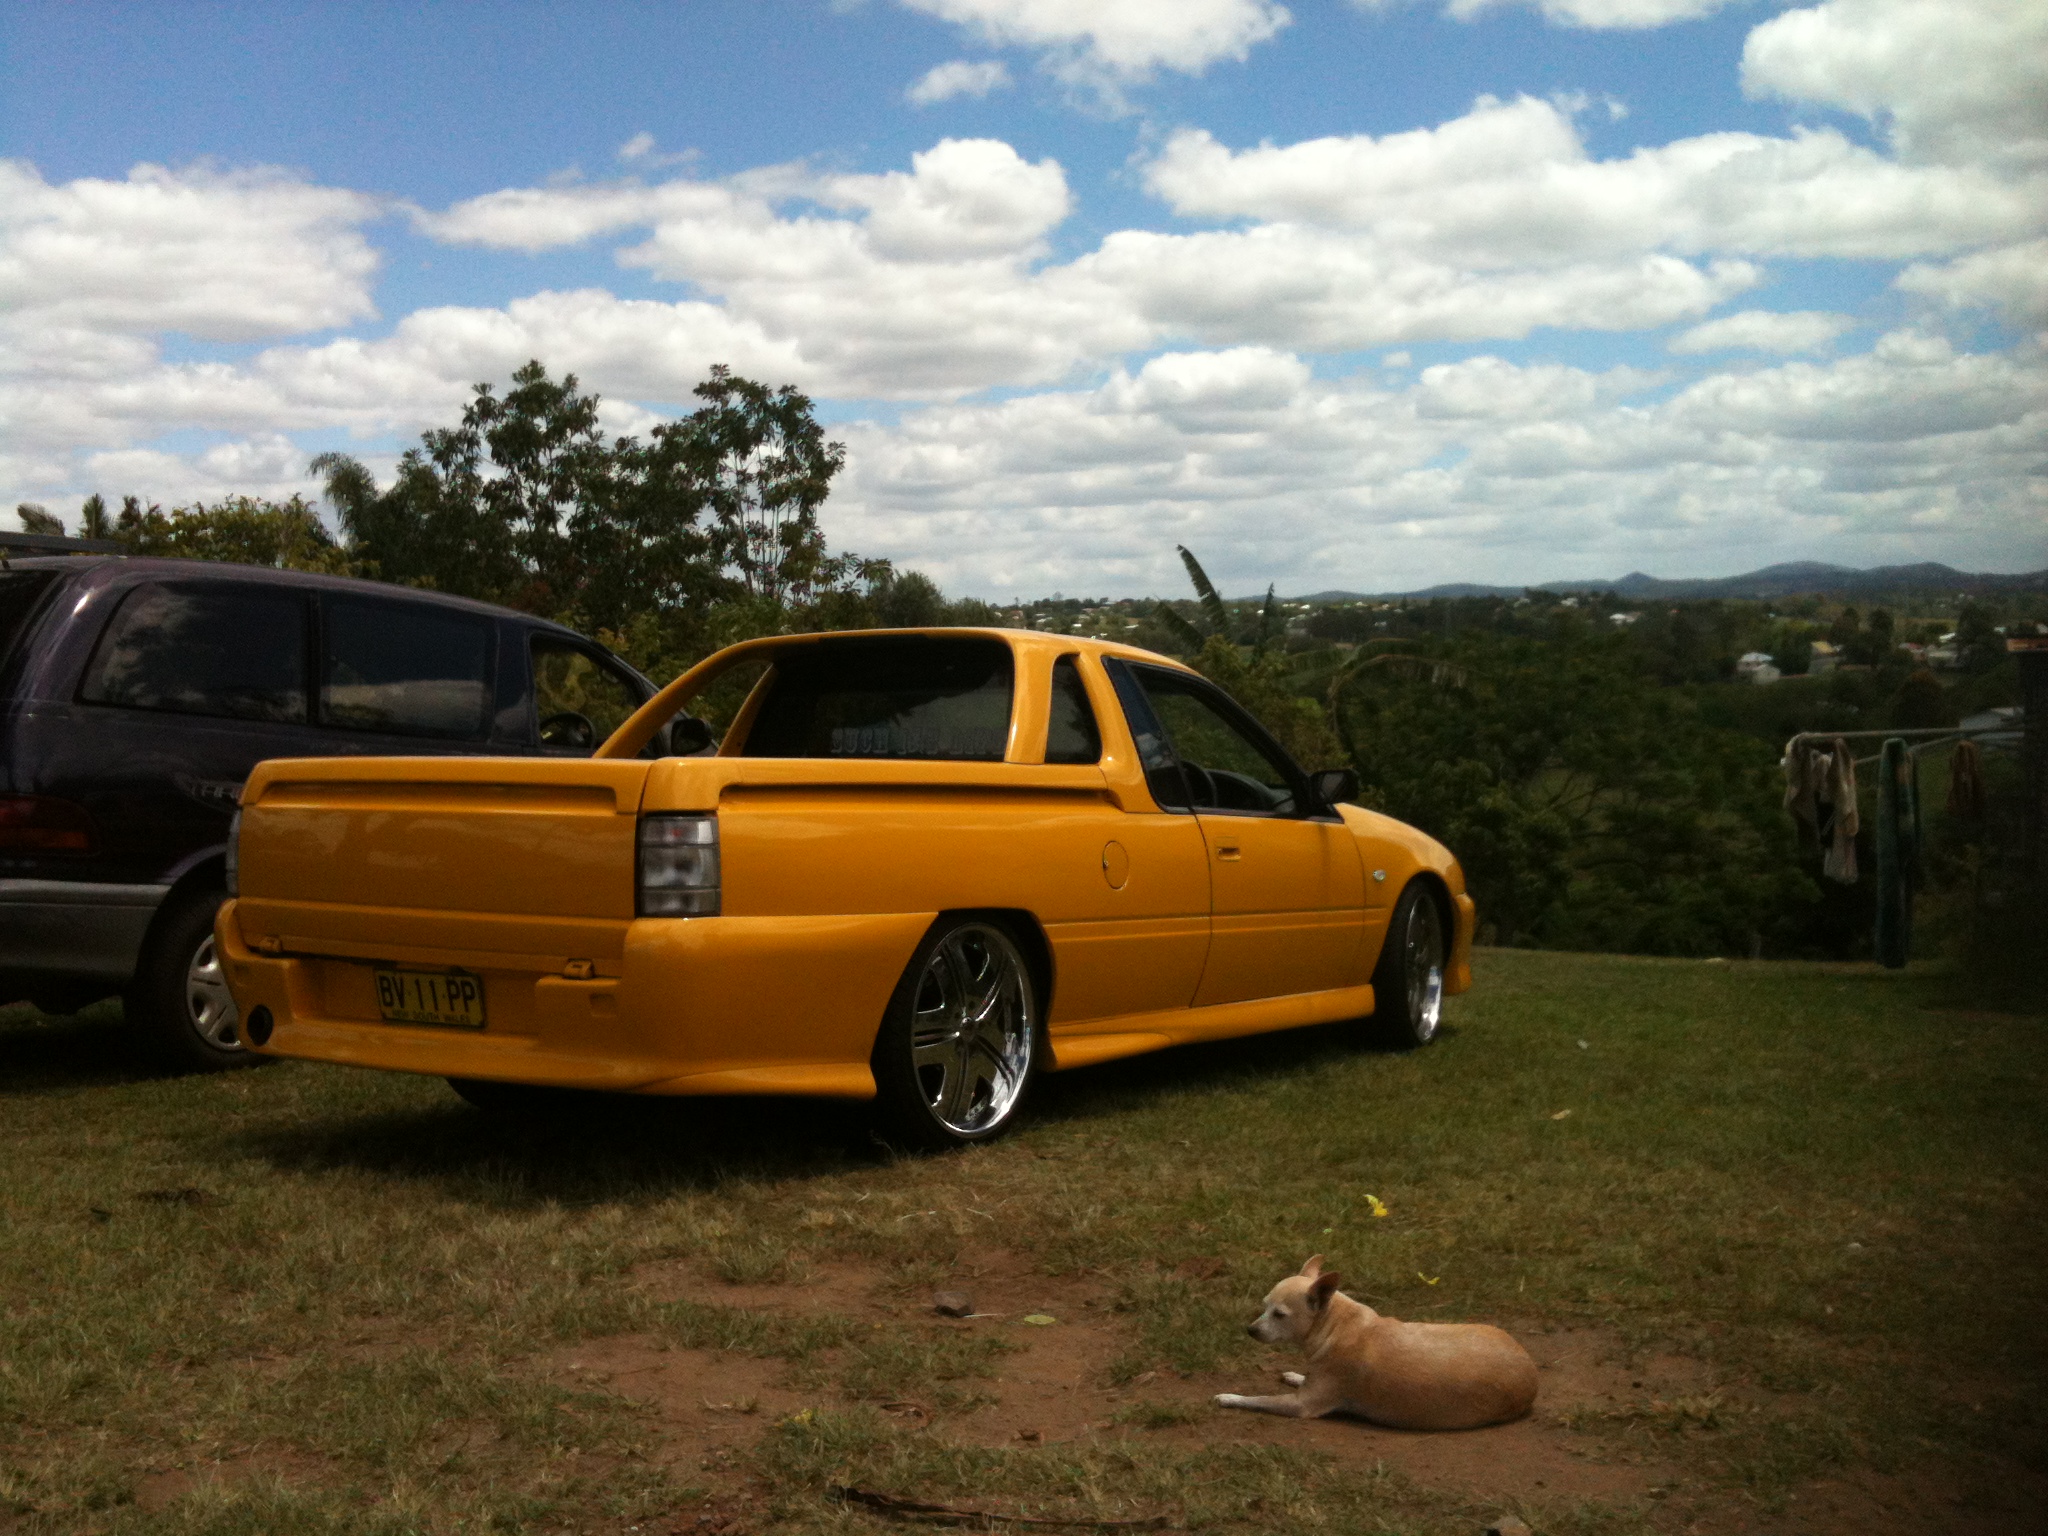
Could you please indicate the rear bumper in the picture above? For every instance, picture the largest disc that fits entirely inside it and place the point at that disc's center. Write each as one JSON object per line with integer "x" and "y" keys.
{"x": 75, "y": 928}
{"x": 693, "y": 1006}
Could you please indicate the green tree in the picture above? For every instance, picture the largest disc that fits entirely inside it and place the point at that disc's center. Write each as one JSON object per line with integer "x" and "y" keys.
{"x": 763, "y": 466}
{"x": 526, "y": 502}
{"x": 94, "y": 521}
{"x": 36, "y": 518}
{"x": 1590, "y": 807}
{"x": 242, "y": 530}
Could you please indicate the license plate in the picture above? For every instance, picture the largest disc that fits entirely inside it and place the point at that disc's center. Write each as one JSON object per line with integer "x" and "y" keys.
{"x": 447, "y": 998}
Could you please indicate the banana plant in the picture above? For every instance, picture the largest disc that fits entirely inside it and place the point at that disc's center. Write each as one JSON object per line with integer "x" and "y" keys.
{"x": 1215, "y": 616}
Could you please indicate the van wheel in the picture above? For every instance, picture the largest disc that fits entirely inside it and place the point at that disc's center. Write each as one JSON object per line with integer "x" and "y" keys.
{"x": 1408, "y": 982}
{"x": 961, "y": 1040}
{"x": 179, "y": 999}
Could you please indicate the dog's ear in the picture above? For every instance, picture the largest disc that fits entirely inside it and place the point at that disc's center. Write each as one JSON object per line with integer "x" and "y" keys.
{"x": 1325, "y": 1287}
{"x": 1312, "y": 1268}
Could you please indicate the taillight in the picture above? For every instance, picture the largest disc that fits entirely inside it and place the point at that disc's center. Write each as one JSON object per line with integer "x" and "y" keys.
{"x": 41, "y": 824}
{"x": 678, "y": 866}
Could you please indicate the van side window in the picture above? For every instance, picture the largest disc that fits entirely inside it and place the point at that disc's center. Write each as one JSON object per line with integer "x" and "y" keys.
{"x": 577, "y": 700}
{"x": 197, "y": 648}
{"x": 1071, "y": 735}
{"x": 405, "y": 669}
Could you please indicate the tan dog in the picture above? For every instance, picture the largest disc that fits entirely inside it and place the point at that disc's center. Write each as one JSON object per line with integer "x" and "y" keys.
{"x": 1404, "y": 1375}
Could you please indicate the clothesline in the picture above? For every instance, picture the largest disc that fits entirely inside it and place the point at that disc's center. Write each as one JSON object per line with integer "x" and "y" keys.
{"x": 1942, "y": 733}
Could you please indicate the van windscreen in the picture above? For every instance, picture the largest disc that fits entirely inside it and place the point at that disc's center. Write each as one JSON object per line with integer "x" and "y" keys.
{"x": 900, "y": 696}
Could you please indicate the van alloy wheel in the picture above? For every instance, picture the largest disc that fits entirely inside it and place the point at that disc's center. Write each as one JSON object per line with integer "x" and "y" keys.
{"x": 179, "y": 1001}
{"x": 209, "y": 1006}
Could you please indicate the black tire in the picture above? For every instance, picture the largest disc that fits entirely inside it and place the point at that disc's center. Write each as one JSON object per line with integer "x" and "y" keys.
{"x": 963, "y": 1039}
{"x": 179, "y": 1002}
{"x": 1408, "y": 982}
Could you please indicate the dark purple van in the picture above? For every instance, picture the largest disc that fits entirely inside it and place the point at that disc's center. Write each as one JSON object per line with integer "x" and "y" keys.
{"x": 136, "y": 695}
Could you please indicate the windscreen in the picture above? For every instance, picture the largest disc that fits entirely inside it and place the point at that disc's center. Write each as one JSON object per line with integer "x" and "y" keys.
{"x": 900, "y": 696}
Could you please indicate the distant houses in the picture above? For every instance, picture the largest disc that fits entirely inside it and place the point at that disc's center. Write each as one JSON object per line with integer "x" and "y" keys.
{"x": 1756, "y": 667}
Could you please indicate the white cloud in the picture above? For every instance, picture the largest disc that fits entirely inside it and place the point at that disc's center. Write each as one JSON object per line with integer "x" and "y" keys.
{"x": 1763, "y": 330}
{"x": 958, "y": 77}
{"x": 1911, "y": 451}
{"x": 1631, "y": 15}
{"x": 1125, "y": 39}
{"x": 1512, "y": 182}
{"x": 1956, "y": 80}
{"x": 225, "y": 256}
{"x": 536, "y": 219}
{"x": 1319, "y": 291}
{"x": 637, "y": 147}
{"x": 2012, "y": 278}
{"x": 961, "y": 198}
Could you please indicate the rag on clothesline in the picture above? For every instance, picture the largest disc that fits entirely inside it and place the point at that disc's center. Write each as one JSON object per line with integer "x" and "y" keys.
{"x": 1966, "y": 782}
{"x": 1820, "y": 792}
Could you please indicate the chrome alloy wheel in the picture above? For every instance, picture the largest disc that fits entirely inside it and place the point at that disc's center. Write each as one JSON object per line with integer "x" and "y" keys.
{"x": 973, "y": 1028}
{"x": 208, "y": 1004}
{"x": 1423, "y": 957}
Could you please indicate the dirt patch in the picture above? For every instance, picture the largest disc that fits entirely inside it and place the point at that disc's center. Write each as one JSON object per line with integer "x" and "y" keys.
{"x": 1053, "y": 1387}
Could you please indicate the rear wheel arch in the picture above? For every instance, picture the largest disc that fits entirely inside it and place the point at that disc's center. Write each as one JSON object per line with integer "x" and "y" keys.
{"x": 914, "y": 1098}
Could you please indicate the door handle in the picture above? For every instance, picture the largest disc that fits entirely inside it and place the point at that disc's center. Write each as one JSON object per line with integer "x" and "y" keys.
{"x": 1227, "y": 851}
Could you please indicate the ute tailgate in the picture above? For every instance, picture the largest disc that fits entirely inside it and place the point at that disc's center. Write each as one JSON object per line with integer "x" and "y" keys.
{"x": 463, "y": 859}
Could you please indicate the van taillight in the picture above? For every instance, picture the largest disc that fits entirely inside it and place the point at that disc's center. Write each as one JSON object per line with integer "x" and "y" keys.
{"x": 41, "y": 824}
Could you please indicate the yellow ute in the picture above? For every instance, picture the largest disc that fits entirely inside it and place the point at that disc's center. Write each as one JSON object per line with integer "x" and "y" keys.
{"x": 921, "y": 866}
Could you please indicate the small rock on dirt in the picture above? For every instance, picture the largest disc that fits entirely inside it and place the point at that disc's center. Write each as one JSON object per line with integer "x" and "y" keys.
{"x": 953, "y": 1304}
{"x": 1507, "y": 1525}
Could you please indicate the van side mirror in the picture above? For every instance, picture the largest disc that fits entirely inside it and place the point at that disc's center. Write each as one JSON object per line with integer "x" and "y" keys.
{"x": 1334, "y": 784}
{"x": 688, "y": 736}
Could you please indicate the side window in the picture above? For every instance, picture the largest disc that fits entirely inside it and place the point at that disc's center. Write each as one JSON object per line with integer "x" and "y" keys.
{"x": 202, "y": 649}
{"x": 405, "y": 669}
{"x": 19, "y": 593}
{"x": 1228, "y": 767}
{"x": 891, "y": 696}
{"x": 1070, "y": 735}
{"x": 578, "y": 700}
{"x": 1162, "y": 770}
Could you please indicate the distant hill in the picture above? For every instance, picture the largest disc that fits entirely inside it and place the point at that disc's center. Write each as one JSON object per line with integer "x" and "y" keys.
{"x": 1787, "y": 580}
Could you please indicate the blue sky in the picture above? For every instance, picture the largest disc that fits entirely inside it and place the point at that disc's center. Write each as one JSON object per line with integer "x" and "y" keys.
{"x": 1369, "y": 294}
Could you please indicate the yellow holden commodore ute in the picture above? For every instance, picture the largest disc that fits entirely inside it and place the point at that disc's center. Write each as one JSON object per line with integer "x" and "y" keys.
{"x": 919, "y": 868}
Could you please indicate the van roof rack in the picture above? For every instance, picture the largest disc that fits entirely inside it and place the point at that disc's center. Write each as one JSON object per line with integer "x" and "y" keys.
{"x": 54, "y": 544}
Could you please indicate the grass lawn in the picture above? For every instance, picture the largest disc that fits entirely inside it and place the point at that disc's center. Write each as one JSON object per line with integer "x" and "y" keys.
{"x": 1773, "y": 1229}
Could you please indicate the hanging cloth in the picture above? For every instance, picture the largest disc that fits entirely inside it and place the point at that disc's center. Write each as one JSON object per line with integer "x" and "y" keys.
{"x": 1838, "y": 831}
{"x": 1805, "y": 785}
{"x": 1966, "y": 782}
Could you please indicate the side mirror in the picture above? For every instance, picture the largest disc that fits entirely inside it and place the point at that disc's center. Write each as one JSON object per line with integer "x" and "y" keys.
{"x": 688, "y": 736}
{"x": 1334, "y": 784}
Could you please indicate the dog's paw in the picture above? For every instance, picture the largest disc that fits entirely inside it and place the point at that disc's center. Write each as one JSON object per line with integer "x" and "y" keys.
{"x": 1293, "y": 1378}
{"x": 1228, "y": 1400}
